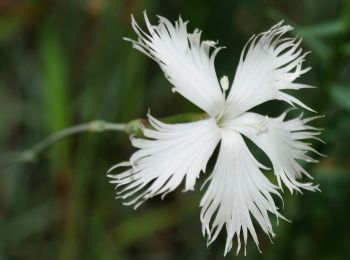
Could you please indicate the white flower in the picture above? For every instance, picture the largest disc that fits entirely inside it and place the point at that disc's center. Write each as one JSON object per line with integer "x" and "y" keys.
{"x": 238, "y": 191}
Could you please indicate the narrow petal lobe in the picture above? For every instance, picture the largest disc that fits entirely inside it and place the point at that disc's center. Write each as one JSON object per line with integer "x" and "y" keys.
{"x": 168, "y": 154}
{"x": 283, "y": 141}
{"x": 269, "y": 63}
{"x": 238, "y": 192}
{"x": 185, "y": 60}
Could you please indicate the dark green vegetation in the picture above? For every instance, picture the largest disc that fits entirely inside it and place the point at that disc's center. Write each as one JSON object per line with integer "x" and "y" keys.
{"x": 64, "y": 63}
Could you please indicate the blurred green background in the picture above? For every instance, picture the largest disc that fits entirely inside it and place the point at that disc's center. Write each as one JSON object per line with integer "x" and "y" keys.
{"x": 64, "y": 62}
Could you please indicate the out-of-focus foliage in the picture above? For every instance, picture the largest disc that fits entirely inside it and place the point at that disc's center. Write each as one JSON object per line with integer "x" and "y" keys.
{"x": 64, "y": 62}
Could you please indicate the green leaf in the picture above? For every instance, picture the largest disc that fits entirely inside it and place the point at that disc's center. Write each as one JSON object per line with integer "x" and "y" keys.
{"x": 55, "y": 87}
{"x": 341, "y": 95}
{"x": 8, "y": 26}
{"x": 327, "y": 29}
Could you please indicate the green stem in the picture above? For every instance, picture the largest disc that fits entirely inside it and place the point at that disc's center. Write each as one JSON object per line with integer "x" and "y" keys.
{"x": 96, "y": 126}
{"x": 31, "y": 154}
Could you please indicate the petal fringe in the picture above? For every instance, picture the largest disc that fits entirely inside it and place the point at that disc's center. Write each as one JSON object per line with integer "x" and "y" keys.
{"x": 168, "y": 154}
{"x": 269, "y": 63}
{"x": 238, "y": 192}
{"x": 283, "y": 141}
{"x": 185, "y": 60}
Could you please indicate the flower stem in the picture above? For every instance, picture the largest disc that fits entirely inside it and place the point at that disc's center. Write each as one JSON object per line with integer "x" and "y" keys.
{"x": 31, "y": 154}
{"x": 96, "y": 126}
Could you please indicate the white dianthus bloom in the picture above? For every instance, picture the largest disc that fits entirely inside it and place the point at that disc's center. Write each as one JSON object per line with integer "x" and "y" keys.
{"x": 238, "y": 191}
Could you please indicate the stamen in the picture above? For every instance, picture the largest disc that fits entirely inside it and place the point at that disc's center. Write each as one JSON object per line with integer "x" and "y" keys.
{"x": 262, "y": 126}
{"x": 224, "y": 83}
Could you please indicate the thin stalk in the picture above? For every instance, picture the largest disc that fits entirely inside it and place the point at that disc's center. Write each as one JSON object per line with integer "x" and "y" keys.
{"x": 96, "y": 126}
{"x": 31, "y": 154}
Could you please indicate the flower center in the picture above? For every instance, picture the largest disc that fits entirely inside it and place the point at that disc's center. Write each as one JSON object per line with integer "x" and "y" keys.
{"x": 258, "y": 127}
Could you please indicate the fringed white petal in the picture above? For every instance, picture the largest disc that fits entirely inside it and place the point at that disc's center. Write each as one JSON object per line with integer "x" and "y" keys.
{"x": 237, "y": 193}
{"x": 283, "y": 141}
{"x": 170, "y": 153}
{"x": 269, "y": 63}
{"x": 187, "y": 62}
